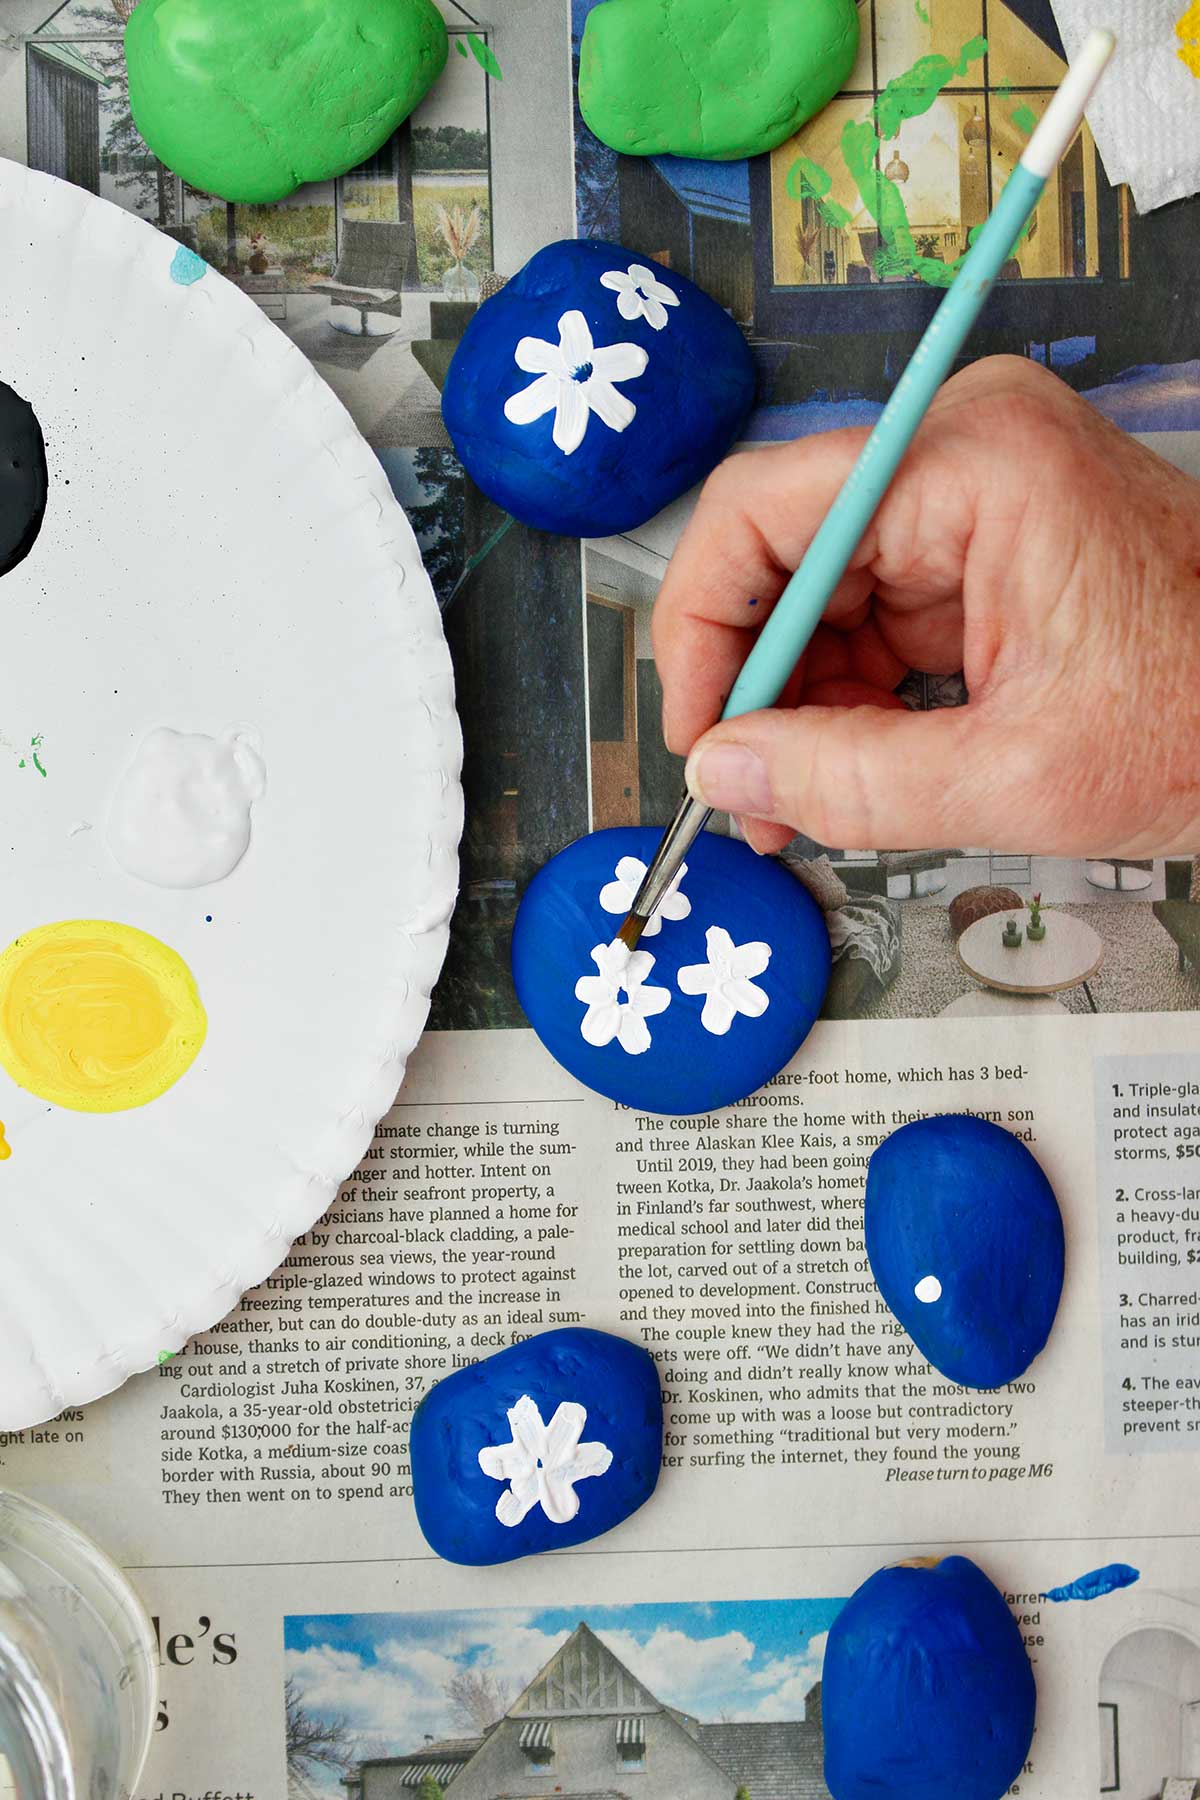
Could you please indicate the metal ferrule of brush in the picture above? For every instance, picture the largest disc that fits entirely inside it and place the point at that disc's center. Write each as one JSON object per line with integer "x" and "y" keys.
{"x": 678, "y": 838}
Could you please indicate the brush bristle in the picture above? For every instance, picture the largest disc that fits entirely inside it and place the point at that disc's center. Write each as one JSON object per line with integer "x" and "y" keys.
{"x": 631, "y": 931}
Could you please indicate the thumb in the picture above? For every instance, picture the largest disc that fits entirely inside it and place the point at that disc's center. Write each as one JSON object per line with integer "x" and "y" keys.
{"x": 869, "y": 776}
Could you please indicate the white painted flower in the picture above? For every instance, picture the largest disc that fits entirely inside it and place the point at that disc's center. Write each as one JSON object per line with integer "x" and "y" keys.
{"x": 575, "y": 377}
{"x": 640, "y": 294}
{"x": 619, "y": 895}
{"x": 543, "y": 1462}
{"x": 608, "y": 1016}
{"x": 725, "y": 980}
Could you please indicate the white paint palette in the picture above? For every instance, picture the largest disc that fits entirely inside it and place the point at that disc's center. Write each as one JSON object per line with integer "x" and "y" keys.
{"x": 220, "y": 552}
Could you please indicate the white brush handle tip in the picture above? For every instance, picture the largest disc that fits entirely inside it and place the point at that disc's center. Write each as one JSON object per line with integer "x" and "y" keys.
{"x": 1064, "y": 115}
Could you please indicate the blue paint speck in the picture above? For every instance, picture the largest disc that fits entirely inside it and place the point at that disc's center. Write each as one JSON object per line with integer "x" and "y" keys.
{"x": 208, "y": 918}
{"x": 187, "y": 267}
{"x": 1096, "y": 1583}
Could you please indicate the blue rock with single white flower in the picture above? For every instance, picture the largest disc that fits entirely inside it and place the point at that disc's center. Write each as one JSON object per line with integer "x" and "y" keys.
{"x": 594, "y": 389}
{"x": 966, "y": 1243}
{"x": 544, "y": 1445}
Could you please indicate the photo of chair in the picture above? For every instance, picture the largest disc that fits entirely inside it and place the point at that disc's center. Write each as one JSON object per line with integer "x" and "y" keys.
{"x": 369, "y": 274}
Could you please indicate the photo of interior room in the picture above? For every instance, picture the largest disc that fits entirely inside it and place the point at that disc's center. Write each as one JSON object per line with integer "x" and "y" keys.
{"x": 1149, "y": 1706}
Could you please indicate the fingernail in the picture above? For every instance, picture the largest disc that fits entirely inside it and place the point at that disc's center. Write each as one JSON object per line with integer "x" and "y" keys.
{"x": 730, "y": 778}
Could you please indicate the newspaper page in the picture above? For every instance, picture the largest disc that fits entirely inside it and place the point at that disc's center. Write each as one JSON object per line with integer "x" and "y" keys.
{"x": 256, "y": 1486}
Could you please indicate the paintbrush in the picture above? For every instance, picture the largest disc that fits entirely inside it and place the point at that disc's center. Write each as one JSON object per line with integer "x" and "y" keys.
{"x": 798, "y": 610}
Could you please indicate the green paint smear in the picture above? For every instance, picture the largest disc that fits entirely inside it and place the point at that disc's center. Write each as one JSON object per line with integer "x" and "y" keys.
{"x": 807, "y": 180}
{"x": 35, "y": 744}
{"x": 484, "y": 57}
{"x": 923, "y": 15}
{"x": 1004, "y": 90}
{"x": 460, "y": 46}
{"x": 909, "y": 96}
{"x": 1024, "y": 118}
{"x": 166, "y": 1356}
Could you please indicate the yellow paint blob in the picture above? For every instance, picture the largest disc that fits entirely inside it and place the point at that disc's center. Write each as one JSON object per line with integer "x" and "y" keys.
{"x": 5, "y": 1146}
{"x": 97, "y": 1016}
{"x": 1188, "y": 32}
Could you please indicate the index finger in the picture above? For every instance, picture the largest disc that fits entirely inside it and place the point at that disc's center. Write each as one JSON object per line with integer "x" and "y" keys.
{"x": 756, "y": 515}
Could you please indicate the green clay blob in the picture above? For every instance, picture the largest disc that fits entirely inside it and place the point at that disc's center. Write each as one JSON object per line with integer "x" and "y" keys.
{"x": 712, "y": 79}
{"x": 249, "y": 99}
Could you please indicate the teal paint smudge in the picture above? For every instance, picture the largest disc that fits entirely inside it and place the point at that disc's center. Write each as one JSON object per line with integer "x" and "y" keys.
{"x": 1097, "y": 1583}
{"x": 1024, "y": 118}
{"x": 187, "y": 267}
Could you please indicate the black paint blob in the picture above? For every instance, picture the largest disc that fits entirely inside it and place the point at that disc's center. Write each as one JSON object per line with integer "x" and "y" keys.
{"x": 22, "y": 478}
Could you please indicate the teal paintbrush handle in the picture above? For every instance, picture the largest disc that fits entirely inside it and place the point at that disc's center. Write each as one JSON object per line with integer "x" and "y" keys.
{"x": 798, "y": 610}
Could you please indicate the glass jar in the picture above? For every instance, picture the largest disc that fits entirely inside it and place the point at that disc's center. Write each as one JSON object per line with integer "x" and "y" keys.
{"x": 78, "y": 1681}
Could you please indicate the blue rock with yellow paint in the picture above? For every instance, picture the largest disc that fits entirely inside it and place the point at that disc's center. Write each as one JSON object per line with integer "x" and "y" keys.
{"x": 927, "y": 1692}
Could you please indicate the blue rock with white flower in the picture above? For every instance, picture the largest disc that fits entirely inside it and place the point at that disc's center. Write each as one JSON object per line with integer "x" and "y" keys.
{"x": 594, "y": 389}
{"x": 723, "y": 989}
{"x": 543, "y": 1445}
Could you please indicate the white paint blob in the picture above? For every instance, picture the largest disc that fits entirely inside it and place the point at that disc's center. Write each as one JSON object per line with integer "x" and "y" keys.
{"x": 180, "y": 817}
{"x": 928, "y": 1289}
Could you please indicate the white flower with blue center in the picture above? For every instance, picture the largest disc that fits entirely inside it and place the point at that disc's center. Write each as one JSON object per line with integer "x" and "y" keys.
{"x": 640, "y": 294}
{"x": 543, "y": 1462}
{"x": 575, "y": 378}
{"x": 608, "y": 1016}
{"x": 618, "y": 895}
{"x": 725, "y": 980}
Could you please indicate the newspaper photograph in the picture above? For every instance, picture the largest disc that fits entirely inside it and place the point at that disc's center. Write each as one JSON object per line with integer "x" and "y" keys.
{"x": 257, "y": 1485}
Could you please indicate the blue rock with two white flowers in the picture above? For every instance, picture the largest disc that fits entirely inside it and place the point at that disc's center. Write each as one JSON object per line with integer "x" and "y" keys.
{"x": 594, "y": 389}
{"x": 544, "y": 1445}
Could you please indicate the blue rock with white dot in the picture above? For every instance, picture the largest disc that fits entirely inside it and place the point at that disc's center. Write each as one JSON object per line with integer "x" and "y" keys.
{"x": 594, "y": 389}
{"x": 927, "y": 1692}
{"x": 546, "y": 1444}
{"x": 965, "y": 1240}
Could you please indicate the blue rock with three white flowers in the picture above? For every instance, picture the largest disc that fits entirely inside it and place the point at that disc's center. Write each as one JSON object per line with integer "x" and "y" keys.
{"x": 544, "y": 1445}
{"x": 595, "y": 388}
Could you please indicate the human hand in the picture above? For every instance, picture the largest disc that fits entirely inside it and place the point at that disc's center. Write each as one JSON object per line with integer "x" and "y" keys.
{"x": 1025, "y": 540}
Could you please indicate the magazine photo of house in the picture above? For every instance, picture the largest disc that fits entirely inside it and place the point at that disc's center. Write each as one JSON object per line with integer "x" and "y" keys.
{"x": 834, "y": 250}
{"x": 716, "y": 1701}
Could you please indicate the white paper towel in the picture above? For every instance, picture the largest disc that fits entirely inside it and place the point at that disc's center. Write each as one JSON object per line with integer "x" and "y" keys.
{"x": 1146, "y": 113}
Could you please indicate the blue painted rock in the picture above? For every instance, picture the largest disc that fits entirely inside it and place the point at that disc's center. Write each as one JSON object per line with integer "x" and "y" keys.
{"x": 926, "y": 1692}
{"x": 722, "y": 991}
{"x": 23, "y": 478}
{"x": 594, "y": 388}
{"x": 966, "y": 1244}
{"x": 544, "y": 1445}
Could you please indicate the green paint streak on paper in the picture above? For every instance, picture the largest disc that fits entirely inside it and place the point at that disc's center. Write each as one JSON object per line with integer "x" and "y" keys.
{"x": 909, "y": 96}
{"x": 484, "y": 57}
{"x": 923, "y": 15}
{"x": 807, "y": 180}
{"x": 35, "y": 746}
{"x": 1024, "y": 118}
{"x": 165, "y": 1356}
{"x": 1004, "y": 90}
{"x": 460, "y": 46}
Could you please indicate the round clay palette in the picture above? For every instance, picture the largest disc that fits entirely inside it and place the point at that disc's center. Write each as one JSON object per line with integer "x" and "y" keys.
{"x": 720, "y": 994}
